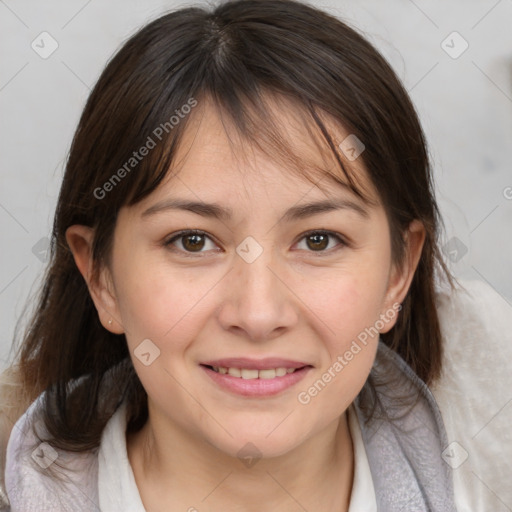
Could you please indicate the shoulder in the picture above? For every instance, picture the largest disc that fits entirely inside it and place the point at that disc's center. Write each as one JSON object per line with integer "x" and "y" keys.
{"x": 40, "y": 477}
{"x": 473, "y": 393}
{"x": 473, "y": 305}
{"x": 476, "y": 325}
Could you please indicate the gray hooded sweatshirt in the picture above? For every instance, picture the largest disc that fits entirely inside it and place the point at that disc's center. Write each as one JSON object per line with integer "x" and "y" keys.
{"x": 401, "y": 427}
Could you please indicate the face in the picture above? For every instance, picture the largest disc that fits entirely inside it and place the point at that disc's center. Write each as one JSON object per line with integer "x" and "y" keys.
{"x": 261, "y": 279}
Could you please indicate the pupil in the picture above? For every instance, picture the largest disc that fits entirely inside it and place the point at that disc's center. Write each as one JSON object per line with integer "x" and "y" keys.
{"x": 193, "y": 242}
{"x": 319, "y": 241}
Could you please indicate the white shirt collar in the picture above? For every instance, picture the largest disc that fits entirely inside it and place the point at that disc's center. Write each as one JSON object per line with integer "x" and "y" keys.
{"x": 118, "y": 490}
{"x": 363, "y": 497}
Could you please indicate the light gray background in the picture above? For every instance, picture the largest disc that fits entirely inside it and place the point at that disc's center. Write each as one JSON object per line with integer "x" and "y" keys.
{"x": 465, "y": 104}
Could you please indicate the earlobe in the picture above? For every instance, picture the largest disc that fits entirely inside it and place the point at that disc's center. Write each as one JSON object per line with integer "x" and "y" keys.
{"x": 80, "y": 241}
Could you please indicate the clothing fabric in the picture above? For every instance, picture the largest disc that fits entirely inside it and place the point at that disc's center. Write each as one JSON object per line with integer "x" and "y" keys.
{"x": 403, "y": 444}
{"x": 474, "y": 395}
{"x": 118, "y": 489}
{"x": 362, "y": 498}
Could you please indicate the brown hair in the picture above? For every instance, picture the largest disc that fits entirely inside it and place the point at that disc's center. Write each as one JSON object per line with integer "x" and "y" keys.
{"x": 233, "y": 54}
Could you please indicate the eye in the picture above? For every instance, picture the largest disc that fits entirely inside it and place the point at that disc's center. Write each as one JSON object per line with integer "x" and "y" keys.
{"x": 197, "y": 241}
{"x": 319, "y": 241}
{"x": 191, "y": 241}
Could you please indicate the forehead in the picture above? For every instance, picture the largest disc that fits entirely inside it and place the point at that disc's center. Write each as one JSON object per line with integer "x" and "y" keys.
{"x": 281, "y": 148}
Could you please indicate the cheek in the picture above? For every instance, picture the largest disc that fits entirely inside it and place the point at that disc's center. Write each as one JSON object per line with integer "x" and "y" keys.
{"x": 348, "y": 306}
{"x": 347, "y": 303}
{"x": 353, "y": 314}
{"x": 142, "y": 302}
{"x": 350, "y": 339}
{"x": 161, "y": 303}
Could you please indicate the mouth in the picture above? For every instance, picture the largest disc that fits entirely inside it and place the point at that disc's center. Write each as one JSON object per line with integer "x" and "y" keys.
{"x": 256, "y": 382}
{"x": 253, "y": 373}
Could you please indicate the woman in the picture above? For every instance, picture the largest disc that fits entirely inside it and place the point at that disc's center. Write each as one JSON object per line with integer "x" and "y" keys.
{"x": 239, "y": 311}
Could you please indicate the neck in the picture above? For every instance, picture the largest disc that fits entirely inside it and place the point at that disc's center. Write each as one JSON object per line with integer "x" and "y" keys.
{"x": 175, "y": 470}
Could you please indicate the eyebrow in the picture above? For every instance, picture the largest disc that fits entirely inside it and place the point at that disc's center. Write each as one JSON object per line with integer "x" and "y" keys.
{"x": 223, "y": 213}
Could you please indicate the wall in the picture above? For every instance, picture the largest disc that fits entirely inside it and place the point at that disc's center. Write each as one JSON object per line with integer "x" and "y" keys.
{"x": 464, "y": 99}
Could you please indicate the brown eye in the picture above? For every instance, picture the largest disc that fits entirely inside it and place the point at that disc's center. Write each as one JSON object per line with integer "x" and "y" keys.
{"x": 192, "y": 243}
{"x": 321, "y": 242}
{"x": 318, "y": 242}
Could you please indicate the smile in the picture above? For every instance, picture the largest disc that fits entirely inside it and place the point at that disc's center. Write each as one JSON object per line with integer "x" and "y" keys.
{"x": 252, "y": 382}
{"x": 249, "y": 373}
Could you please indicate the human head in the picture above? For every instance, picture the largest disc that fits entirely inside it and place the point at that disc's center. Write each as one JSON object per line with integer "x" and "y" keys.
{"x": 234, "y": 55}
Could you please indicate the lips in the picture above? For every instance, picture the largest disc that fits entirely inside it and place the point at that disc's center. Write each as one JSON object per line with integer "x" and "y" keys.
{"x": 255, "y": 377}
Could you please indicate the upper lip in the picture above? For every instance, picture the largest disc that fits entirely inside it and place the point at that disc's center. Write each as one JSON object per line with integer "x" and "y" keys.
{"x": 255, "y": 364}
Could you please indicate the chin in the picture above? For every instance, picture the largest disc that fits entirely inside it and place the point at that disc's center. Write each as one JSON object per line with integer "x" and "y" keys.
{"x": 253, "y": 442}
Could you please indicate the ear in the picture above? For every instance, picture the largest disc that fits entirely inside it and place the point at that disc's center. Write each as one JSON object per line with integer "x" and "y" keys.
{"x": 80, "y": 241}
{"x": 400, "y": 278}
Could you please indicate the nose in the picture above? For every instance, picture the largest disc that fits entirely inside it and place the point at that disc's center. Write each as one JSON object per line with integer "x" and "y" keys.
{"x": 257, "y": 301}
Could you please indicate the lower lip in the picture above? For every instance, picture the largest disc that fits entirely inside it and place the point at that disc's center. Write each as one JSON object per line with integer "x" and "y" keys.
{"x": 256, "y": 387}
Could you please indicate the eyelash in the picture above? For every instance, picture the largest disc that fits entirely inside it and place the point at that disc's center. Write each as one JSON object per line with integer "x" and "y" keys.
{"x": 182, "y": 234}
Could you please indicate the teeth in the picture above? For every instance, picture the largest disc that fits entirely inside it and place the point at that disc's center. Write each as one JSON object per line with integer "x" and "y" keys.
{"x": 249, "y": 374}
{"x": 267, "y": 374}
{"x": 235, "y": 372}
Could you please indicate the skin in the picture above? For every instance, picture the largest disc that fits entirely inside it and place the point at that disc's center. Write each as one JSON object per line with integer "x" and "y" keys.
{"x": 294, "y": 301}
